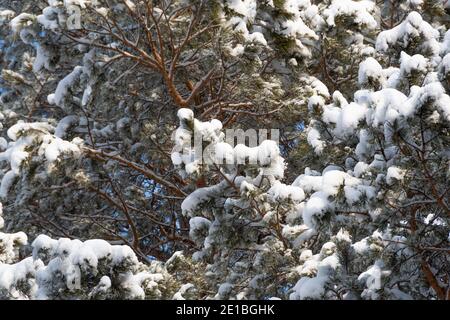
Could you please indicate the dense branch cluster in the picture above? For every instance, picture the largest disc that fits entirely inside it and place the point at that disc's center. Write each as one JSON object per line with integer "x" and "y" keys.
{"x": 103, "y": 103}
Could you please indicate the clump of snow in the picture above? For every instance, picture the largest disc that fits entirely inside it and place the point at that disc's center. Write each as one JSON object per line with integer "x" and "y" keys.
{"x": 10, "y": 244}
{"x": 65, "y": 84}
{"x": 314, "y": 139}
{"x": 13, "y": 275}
{"x": 6, "y": 15}
{"x": 7, "y": 182}
{"x": 324, "y": 190}
{"x": 21, "y": 127}
{"x": 184, "y": 289}
{"x": 49, "y": 18}
{"x": 345, "y": 116}
{"x": 279, "y": 191}
{"x": 237, "y": 50}
{"x": 408, "y": 63}
{"x": 87, "y": 94}
{"x": 296, "y": 27}
{"x": 343, "y": 236}
{"x": 33, "y": 139}
{"x": 373, "y": 279}
{"x": 21, "y": 21}
{"x": 53, "y": 147}
{"x": 360, "y": 168}
{"x": 316, "y": 272}
{"x": 64, "y": 124}
{"x": 42, "y": 59}
{"x": 370, "y": 71}
{"x": 314, "y": 86}
{"x": 246, "y": 8}
{"x": 394, "y": 174}
{"x": 413, "y": 27}
{"x": 361, "y": 12}
{"x": 201, "y": 196}
{"x": 224, "y": 290}
{"x": 198, "y": 228}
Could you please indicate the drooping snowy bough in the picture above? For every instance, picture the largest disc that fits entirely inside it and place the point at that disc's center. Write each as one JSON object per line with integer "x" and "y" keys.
{"x": 72, "y": 269}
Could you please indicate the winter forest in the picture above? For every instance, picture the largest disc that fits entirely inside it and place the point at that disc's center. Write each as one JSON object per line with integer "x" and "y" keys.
{"x": 107, "y": 109}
